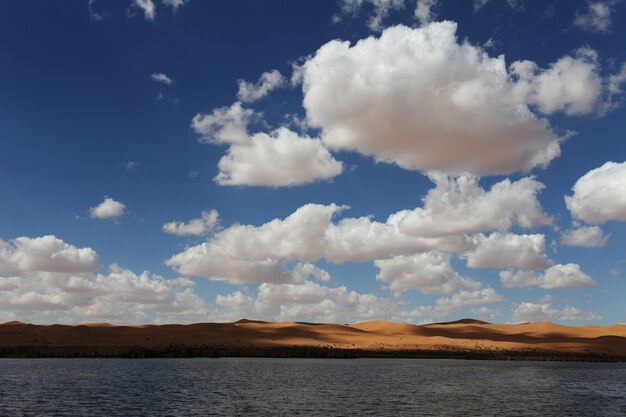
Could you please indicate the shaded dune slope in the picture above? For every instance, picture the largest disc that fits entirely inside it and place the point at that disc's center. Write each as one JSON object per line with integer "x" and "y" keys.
{"x": 375, "y": 336}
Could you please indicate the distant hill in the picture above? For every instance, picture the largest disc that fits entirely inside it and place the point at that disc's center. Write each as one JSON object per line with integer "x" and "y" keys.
{"x": 466, "y": 338}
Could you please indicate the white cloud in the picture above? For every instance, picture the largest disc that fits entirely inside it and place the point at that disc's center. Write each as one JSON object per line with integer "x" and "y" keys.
{"x": 531, "y": 312}
{"x": 159, "y": 77}
{"x": 147, "y": 7}
{"x": 308, "y": 301}
{"x": 245, "y": 253}
{"x": 597, "y": 17}
{"x": 513, "y": 4}
{"x": 616, "y": 80}
{"x": 430, "y": 273}
{"x": 571, "y": 85}
{"x": 471, "y": 298}
{"x": 174, "y": 4}
{"x": 584, "y": 236}
{"x": 424, "y": 11}
{"x": 363, "y": 239}
{"x": 44, "y": 279}
{"x": 120, "y": 296}
{"x": 95, "y": 15}
{"x": 614, "y": 86}
{"x": 420, "y": 99}
{"x": 508, "y": 250}
{"x": 224, "y": 125}
{"x": 556, "y": 277}
{"x": 240, "y": 253}
{"x": 301, "y": 272}
{"x": 196, "y": 227}
{"x": 281, "y": 158}
{"x": 484, "y": 313}
{"x": 459, "y": 205}
{"x": 45, "y": 254}
{"x": 131, "y": 165}
{"x": 249, "y": 92}
{"x": 600, "y": 194}
{"x": 108, "y": 209}
{"x": 380, "y": 10}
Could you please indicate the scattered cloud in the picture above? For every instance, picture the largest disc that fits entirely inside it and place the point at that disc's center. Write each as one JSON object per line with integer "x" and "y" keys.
{"x": 224, "y": 125}
{"x": 196, "y": 227}
{"x": 513, "y": 4}
{"x": 44, "y": 279}
{"x": 430, "y": 273}
{"x": 597, "y": 17}
{"x": 424, "y": 11}
{"x": 278, "y": 159}
{"x": 380, "y": 9}
{"x": 571, "y": 85}
{"x": 556, "y": 277}
{"x": 93, "y": 14}
{"x": 584, "y": 236}
{"x": 311, "y": 301}
{"x": 130, "y": 166}
{"x": 471, "y": 298}
{"x": 308, "y": 301}
{"x": 174, "y": 4}
{"x": 108, "y": 209}
{"x": 45, "y": 254}
{"x": 246, "y": 253}
{"x": 147, "y": 7}
{"x": 159, "y": 77}
{"x": 531, "y": 312}
{"x": 458, "y": 205}
{"x": 120, "y": 296}
{"x": 600, "y": 195}
{"x": 508, "y": 250}
{"x": 251, "y": 92}
{"x": 484, "y": 313}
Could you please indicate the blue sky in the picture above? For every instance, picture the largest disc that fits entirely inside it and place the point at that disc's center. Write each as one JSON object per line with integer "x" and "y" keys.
{"x": 343, "y": 154}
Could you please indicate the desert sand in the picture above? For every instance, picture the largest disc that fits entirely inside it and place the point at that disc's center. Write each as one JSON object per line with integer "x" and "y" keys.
{"x": 463, "y": 338}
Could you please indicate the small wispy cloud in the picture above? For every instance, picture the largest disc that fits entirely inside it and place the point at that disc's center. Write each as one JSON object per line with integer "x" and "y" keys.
{"x": 159, "y": 77}
{"x": 131, "y": 165}
{"x": 174, "y": 4}
{"x": 250, "y": 92}
{"x": 147, "y": 7}
{"x": 597, "y": 17}
{"x": 93, "y": 14}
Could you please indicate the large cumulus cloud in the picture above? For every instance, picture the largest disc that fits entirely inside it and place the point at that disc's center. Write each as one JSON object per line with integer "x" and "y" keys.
{"x": 423, "y": 100}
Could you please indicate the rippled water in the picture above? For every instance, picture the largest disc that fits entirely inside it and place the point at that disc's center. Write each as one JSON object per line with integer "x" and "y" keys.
{"x": 320, "y": 387}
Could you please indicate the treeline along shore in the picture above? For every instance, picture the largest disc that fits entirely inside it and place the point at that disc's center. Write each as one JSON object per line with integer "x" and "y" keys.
{"x": 463, "y": 339}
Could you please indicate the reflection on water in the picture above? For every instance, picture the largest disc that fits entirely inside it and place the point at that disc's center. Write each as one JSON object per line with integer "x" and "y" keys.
{"x": 323, "y": 387}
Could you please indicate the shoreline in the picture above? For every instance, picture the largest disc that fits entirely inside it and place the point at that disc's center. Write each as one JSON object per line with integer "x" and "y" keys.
{"x": 312, "y": 352}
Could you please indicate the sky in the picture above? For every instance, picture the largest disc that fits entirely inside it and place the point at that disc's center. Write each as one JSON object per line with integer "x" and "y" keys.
{"x": 339, "y": 161}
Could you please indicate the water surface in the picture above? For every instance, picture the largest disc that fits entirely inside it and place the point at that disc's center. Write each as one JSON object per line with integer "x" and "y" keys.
{"x": 316, "y": 387}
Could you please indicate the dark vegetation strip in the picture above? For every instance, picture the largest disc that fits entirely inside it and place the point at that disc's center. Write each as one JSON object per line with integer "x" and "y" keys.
{"x": 206, "y": 351}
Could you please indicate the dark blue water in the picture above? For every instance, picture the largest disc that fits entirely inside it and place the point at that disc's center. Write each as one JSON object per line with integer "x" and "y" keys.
{"x": 316, "y": 387}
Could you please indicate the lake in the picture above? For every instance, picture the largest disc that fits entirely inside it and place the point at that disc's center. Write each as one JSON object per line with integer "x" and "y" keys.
{"x": 315, "y": 387}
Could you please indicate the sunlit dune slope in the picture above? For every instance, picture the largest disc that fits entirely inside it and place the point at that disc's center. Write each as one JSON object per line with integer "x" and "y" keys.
{"x": 463, "y": 335}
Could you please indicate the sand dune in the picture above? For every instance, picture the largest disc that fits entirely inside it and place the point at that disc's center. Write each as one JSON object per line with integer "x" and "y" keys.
{"x": 374, "y": 336}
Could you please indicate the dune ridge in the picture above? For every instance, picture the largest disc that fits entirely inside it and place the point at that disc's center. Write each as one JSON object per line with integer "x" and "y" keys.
{"x": 245, "y": 336}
